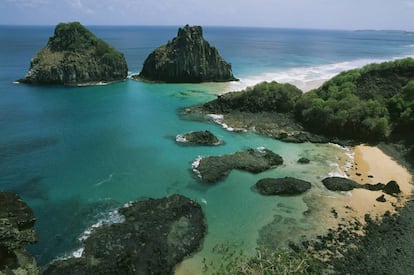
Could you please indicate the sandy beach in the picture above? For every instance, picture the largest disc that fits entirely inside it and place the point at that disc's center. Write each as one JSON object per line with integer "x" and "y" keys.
{"x": 371, "y": 165}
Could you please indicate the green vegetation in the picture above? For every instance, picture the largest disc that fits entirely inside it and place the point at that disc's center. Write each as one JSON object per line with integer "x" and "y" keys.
{"x": 75, "y": 38}
{"x": 266, "y": 262}
{"x": 366, "y": 104}
{"x": 264, "y": 97}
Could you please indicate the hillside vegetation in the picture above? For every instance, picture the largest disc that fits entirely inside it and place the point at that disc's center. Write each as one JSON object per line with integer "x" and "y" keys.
{"x": 367, "y": 104}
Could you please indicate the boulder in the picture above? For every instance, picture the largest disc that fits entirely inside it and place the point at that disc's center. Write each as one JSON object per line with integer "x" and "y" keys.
{"x": 381, "y": 198}
{"x": 303, "y": 161}
{"x": 214, "y": 168}
{"x": 188, "y": 58}
{"x": 392, "y": 188}
{"x": 199, "y": 137}
{"x": 282, "y": 186}
{"x": 75, "y": 56}
{"x": 155, "y": 236}
{"x": 340, "y": 184}
{"x": 16, "y": 231}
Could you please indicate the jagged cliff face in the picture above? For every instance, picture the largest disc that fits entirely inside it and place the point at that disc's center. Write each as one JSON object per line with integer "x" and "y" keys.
{"x": 187, "y": 58}
{"x": 75, "y": 56}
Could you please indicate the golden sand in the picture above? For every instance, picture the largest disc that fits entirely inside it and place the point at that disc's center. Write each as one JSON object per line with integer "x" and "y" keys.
{"x": 373, "y": 166}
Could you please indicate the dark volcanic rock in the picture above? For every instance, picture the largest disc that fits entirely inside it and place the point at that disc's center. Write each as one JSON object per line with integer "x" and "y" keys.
{"x": 344, "y": 184}
{"x": 200, "y": 137}
{"x": 282, "y": 186}
{"x": 187, "y": 58}
{"x": 303, "y": 161}
{"x": 16, "y": 230}
{"x": 75, "y": 56}
{"x": 373, "y": 187}
{"x": 155, "y": 236}
{"x": 339, "y": 184}
{"x": 392, "y": 188}
{"x": 214, "y": 168}
{"x": 381, "y": 198}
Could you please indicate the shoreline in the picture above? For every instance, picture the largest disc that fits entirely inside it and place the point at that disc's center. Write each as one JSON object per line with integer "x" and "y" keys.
{"x": 366, "y": 164}
{"x": 371, "y": 165}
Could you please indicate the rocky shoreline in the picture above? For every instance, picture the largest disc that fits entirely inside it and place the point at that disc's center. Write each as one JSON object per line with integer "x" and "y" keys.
{"x": 153, "y": 236}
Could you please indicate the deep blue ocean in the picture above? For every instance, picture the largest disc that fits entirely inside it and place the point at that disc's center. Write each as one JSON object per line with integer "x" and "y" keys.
{"x": 76, "y": 154}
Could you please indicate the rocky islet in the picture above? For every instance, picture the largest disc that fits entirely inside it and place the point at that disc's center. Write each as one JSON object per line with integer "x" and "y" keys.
{"x": 187, "y": 58}
{"x": 75, "y": 56}
{"x": 282, "y": 186}
{"x": 214, "y": 168}
{"x": 199, "y": 138}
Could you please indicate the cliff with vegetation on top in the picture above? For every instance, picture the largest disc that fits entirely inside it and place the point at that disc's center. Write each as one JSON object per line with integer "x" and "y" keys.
{"x": 371, "y": 104}
{"x": 187, "y": 58}
{"x": 75, "y": 56}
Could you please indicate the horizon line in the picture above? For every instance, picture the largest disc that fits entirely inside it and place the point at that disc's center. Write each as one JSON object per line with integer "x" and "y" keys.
{"x": 210, "y": 26}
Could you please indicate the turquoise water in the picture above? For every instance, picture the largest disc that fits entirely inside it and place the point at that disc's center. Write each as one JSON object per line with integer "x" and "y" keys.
{"x": 74, "y": 154}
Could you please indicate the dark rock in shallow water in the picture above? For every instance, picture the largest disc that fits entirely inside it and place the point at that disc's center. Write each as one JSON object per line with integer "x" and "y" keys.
{"x": 373, "y": 187}
{"x": 339, "y": 184}
{"x": 200, "y": 137}
{"x": 303, "y": 161}
{"x": 381, "y": 198}
{"x": 16, "y": 230}
{"x": 344, "y": 184}
{"x": 155, "y": 236}
{"x": 282, "y": 186}
{"x": 392, "y": 188}
{"x": 187, "y": 58}
{"x": 75, "y": 56}
{"x": 215, "y": 168}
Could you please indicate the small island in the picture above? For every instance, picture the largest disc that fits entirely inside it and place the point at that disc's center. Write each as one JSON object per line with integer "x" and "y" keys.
{"x": 188, "y": 58}
{"x": 206, "y": 138}
{"x": 75, "y": 56}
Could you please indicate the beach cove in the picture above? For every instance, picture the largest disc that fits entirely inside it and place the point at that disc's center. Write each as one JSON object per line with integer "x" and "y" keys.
{"x": 75, "y": 154}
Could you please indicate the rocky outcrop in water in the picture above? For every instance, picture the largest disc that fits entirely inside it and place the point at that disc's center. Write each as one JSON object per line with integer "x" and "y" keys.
{"x": 155, "y": 236}
{"x": 16, "y": 231}
{"x": 282, "y": 186}
{"x": 214, "y": 168}
{"x": 75, "y": 56}
{"x": 344, "y": 184}
{"x": 199, "y": 137}
{"x": 187, "y": 58}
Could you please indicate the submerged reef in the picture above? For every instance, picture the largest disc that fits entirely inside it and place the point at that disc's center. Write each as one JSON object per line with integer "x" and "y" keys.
{"x": 75, "y": 56}
{"x": 188, "y": 58}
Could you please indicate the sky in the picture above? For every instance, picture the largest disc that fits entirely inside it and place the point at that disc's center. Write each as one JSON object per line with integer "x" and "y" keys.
{"x": 314, "y": 14}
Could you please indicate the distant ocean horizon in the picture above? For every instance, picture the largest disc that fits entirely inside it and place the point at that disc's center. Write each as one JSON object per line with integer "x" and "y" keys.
{"x": 76, "y": 154}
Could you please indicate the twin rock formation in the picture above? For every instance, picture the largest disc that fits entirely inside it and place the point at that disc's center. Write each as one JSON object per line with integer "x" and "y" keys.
{"x": 75, "y": 56}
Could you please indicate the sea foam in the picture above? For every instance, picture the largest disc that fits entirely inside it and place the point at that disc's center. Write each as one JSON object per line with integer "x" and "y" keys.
{"x": 112, "y": 217}
{"x": 305, "y": 78}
